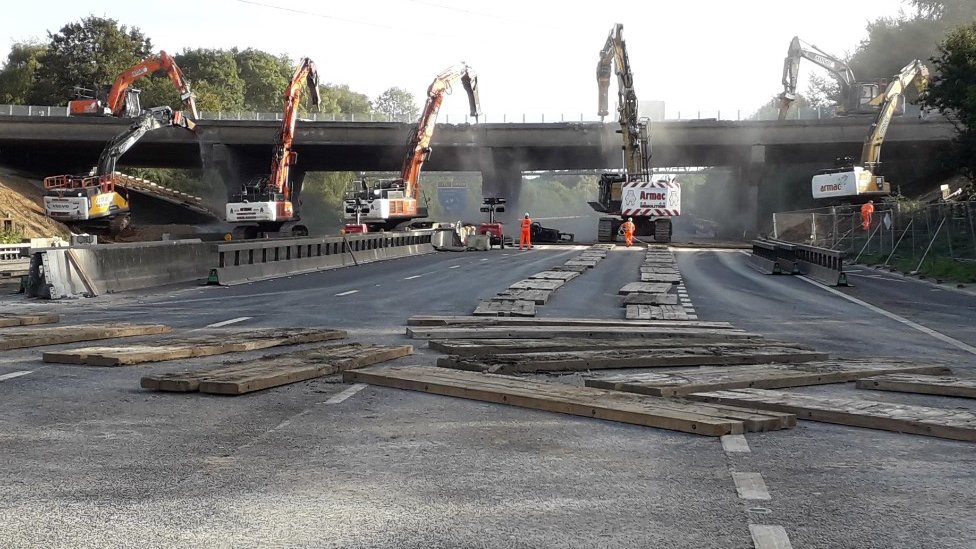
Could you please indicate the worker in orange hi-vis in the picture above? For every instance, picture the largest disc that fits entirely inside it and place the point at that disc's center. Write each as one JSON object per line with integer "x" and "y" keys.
{"x": 526, "y": 239}
{"x": 628, "y": 229}
{"x": 867, "y": 211}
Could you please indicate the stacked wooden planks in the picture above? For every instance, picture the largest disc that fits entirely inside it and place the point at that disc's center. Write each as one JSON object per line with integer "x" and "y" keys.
{"x": 651, "y": 298}
{"x": 215, "y": 343}
{"x": 763, "y": 376}
{"x": 237, "y": 378}
{"x": 636, "y": 409}
{"x": 20, "y": 338}
{"x": 901, "y": 418}
{"x": 8, "y": 320}
{"x": 522, "y": 297}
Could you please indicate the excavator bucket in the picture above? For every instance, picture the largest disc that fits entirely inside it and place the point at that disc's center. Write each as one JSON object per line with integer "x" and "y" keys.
{"x": 470, "y": 82}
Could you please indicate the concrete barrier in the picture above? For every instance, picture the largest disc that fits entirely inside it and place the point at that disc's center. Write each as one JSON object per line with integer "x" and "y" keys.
{"x": 93, "y": 270}
{"x": 241, "y": 262}
{"x": 778, "y": 257}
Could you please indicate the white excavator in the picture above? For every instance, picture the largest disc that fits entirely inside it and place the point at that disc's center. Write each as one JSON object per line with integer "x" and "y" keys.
{"x": 861, "y": 182}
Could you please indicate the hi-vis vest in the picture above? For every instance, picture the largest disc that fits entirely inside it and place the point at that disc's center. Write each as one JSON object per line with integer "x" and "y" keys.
{"x": 526, "y": 223}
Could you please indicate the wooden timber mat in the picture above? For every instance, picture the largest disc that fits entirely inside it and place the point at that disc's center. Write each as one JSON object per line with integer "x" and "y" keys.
{"x": 9, "y": 319}
{"x": 678, "y": 330}
{"x": 646, "y": 288}
{"x": 20, "y": 338}
{"x": 649, "y": 299}
{"x": 901, "y": 418}
{"x": 676, "y": 415}
{"x": 608, "y": 359}
{"x": 482, "y": 347}
{"x": 237, "y": 378}
{"x": 762, "y": 376}
{"x": 539, "y": 297}
{"x": 216, "y": 343}
{"x": 458, "y": 321}
{"x": 905, "y": 382}
{"x": 656, "y": 312}
{"x": 516, "y": 307}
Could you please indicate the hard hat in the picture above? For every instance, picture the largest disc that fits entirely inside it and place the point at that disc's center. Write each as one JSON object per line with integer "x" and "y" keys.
{"x": 630, "y": 219}
{"x": 526, "y": 214}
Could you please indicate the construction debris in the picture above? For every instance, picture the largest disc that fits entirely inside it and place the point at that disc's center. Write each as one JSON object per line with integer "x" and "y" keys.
{"x": 238, "y": 378}
{"x": 765, "y": 376}
{"x": 905, "y": 382}
{"x": 580, "y": 401}
{"x": 900, "y": 418}
{"x": 217, "y": 343}
{"x": 14, "y": 338}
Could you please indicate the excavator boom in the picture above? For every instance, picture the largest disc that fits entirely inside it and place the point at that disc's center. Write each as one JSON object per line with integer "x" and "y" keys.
{"x": 840, "y": 70}
{"x": 418, "y": 148}
{"x": 119, "y": 100}
{"x": 913, "y": 74}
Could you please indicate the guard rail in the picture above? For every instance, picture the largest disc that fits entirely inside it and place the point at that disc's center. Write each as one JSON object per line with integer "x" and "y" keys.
{"x": 779, "y": 257}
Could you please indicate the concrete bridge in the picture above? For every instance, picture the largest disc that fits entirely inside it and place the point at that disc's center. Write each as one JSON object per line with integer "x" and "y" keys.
{"x": 238, "y": 149}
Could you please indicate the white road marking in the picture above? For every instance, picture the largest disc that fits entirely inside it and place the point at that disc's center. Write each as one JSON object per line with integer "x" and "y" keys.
{"x": 346, "y": 394}
{"x": 350, "y": 292}
{"x": 453, "y": 266}
{"x": 226, "y": 322}
{"x": 412, "y": 277}
{"x": 928, "y": 331}
{"x": 735, "y": 443}
{"x": 12, "y": 375}
{"x": 750, "y": 486}
{"x": 768, "y": 536}
{"x": 486, "y": 259}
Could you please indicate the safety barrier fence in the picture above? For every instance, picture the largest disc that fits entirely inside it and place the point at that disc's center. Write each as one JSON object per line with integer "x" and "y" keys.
{"x": 779, "y": 257}
{"x": 241, "y": 262}
{"x": 13, "y": 260}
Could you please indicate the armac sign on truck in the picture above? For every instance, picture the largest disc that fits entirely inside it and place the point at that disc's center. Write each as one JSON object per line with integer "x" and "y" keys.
{"x": 660, "y": 198}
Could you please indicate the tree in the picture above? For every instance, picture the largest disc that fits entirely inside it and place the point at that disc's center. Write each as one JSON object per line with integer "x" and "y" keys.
{"x": 19, "y": 73}
{"x": 398, "y": 104}
{"x": 952, "y": 90}
{"x": 338, "y": 98}
{"x": 265, "y": 77}
{"x": 215, "y": 79}
{"x": 88, "y": 53}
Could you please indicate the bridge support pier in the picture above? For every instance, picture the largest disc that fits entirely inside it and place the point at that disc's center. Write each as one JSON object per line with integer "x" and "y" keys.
{"x": 501, "y": 177}
{"x": 750, "y": 178}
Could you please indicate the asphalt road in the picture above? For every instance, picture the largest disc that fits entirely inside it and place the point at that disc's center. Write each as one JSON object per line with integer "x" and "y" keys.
{"x": 90, "y": 460}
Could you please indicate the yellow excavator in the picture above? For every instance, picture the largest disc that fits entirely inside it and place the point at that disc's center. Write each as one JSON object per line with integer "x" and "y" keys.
{"x": 849, "y": 181}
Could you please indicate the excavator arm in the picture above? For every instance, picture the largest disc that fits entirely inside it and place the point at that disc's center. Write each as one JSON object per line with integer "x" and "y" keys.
{"x": 150, "y": 120}
{"x": 284, "y": 157}
{"x": 119, "y": 102}
{"x": 418, "y": 147}
{"x": 791, "y": 67}
{"x": 633, "y": 129}
{"x": 913, "y": 74}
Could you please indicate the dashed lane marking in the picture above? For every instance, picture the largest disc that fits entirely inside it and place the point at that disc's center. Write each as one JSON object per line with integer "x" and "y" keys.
{"x": 453, "y": 266}
{"x": 231, "y": 321}
{"x": 928, "y": 331}
{"x": 12, "y": 375}
{"x": 412, "y": 277}
{"x": 735, "y": 444}
{"x": 767, "y": 536}
{"x": 346, "y": 394}
{"x": 750, "y": 486}
{"x": 350, "y": 292}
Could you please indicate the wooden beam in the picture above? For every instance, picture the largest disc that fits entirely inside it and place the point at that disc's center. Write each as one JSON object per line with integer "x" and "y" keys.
{"x": 274, "y": 370}
{"x": 230, "y": 341}
{"x": 516, "y": 308}
{"x": 765, "y": 376}
{"x": 590, "y": 332}
{"x": 900, "y": 418}
{"x": 15, "y": 338}
{"x": 625, "y": 358}
{"x": 566, "y": 399}
{"x": 482, "y": 347}
{"x": 8, "y": 320}
{"x": 437, "y": 320}
{"x": 646, "y": 288}
{"x": 949, "y": 386}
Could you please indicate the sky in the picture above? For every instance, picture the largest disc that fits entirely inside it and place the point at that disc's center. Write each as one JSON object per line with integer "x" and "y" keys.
{"x": 533, "y": 57}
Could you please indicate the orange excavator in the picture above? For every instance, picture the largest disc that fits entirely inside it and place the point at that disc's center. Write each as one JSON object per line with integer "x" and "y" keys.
{"x": 123, "y": 100}
{"x": 266, "y": 203}
{"x": 390, "y": 203}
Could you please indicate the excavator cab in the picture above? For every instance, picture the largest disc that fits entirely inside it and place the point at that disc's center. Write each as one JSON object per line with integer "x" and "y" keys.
{"x": 89, "y": 102}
